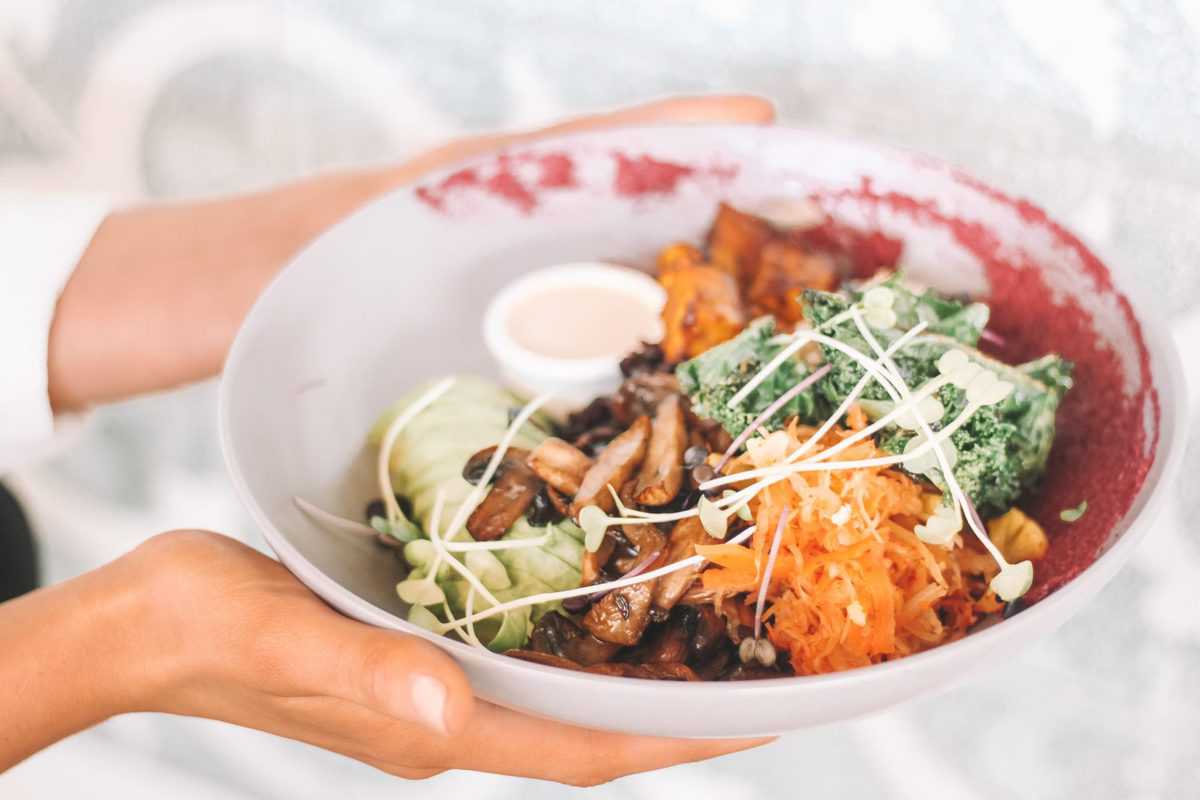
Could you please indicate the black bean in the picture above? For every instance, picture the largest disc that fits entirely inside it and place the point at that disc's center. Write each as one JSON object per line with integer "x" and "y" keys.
{"x": 542, "y": 510}
{"x": 694, "y": 456}
{"x": 1013, "y": 608}
{"x": 375, "y": 508}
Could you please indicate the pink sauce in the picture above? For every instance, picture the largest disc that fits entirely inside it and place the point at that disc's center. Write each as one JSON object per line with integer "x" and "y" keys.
{"x": 580, "y": 322}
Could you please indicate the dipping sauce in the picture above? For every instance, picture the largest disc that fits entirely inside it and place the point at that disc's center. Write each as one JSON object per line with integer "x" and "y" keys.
{"x": 581, "y": 321}
{"x": 563, "y": 330}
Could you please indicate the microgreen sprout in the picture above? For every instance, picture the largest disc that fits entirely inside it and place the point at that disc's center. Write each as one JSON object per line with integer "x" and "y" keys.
{"x": 1073, "y": 514}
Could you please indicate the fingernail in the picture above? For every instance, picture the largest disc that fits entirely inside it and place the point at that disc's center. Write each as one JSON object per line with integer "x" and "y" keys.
{"x": 429, "y": 699}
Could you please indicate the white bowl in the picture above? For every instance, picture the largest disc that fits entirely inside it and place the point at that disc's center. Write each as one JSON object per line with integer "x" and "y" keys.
{"x": 395, "y": 295}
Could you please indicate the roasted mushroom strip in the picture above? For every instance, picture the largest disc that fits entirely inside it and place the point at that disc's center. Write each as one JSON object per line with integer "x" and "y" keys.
{"x": 512, "y": 492}
{"x": 614, "y": 466}
{"x": 560, "y": 636}
{"x": 559, "y": 464}
{"x": 686, "y": 534}
{"x": 647, "y": 542}
{"x": 621, "y": 616}
{"x": 662, "y": 471}
{"x": 658, "y": 672}
{"x": 593, "y": 563}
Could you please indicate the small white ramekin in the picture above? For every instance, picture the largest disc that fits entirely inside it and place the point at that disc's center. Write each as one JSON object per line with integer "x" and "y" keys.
{"x": 572, "y": 381}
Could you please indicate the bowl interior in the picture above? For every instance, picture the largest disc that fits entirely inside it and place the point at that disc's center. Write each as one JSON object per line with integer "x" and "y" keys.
{"x": 396, "y": 294}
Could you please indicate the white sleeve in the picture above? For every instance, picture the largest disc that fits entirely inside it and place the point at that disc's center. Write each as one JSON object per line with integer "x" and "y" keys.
{"x": 41, "y": 240}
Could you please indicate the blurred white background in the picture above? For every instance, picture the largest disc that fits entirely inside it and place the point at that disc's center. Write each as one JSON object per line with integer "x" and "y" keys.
{"x": 1091, "y": 107}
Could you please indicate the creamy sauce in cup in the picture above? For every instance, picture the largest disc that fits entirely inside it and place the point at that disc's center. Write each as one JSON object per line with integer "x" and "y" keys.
{"x": 565, "y": 329}
{"x": 581, "y": 321}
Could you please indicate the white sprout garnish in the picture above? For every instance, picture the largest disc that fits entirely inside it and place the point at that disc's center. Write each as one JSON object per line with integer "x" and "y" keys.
{"x": 799, "y": 339}
{"x": 383, "y": 464}
{"x": 714, "y": 520}
{"x": 620, "y": 583}
{"x": 477, "y": 492}
{"x": 766, "y": 578}
{"x": 333, "y": 521}
{"x": 983, "y": 388}
{"x": 769, "y": 412}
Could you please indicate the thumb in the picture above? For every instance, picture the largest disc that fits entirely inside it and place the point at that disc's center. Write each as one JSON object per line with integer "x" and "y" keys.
{"x": 391, "y": 673}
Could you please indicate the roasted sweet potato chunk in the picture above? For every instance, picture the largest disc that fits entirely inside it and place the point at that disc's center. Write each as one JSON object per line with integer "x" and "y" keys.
{"x": 680, "y": 254}
{"x": 559, "y": 464}
{"x": 784, "y": 271}
{"x": 735, "y": 242}
{"x": 662, "y": 470}
{"x": 703, "y": 309}
{"x": 614, "y": 466}
{"x": 686, "y": 534}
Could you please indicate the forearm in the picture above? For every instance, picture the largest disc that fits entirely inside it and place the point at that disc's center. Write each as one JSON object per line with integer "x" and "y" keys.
{"x": 65, "y": 663}
{"x": 158, "y": 296}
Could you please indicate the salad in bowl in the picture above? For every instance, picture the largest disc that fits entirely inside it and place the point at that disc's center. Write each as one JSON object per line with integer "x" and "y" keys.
{"x": 827, "y": 426}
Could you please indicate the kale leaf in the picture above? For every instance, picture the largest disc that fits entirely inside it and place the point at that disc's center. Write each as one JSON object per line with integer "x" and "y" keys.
{"x": 713, "y": 377}
{"x": 1002, "y": 450}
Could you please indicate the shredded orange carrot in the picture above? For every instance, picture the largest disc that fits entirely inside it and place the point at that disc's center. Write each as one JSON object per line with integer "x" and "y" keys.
{"x": 851, "y": 594}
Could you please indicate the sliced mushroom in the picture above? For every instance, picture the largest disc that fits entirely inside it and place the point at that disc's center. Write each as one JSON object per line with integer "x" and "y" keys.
{"x": 545, "y": 659}
{"x": 645, "y": 540}
{"x": 586, "y": 649}
{"x": 708, "y": 636}
{"x": 621, "y": 616}
{"x": 560, "y": 636}
{"x": 514, "y": 489}
{"x": 642, "y": 395}
{"x": 686, "y": 534}
{"x": 560, "y": 503}
{"x": 662, "y": 471}
{"x": 657, "y": 672}
{"x": 613, "y": 467}
{"x": 559, "y": 464}
{"x": 593, "y": 563}
{"x": 668, "y": 643}
{"x": 713, "y": 668}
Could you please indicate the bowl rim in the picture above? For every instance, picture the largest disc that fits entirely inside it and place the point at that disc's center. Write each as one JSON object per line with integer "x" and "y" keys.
{"x": 1054, "y": 608}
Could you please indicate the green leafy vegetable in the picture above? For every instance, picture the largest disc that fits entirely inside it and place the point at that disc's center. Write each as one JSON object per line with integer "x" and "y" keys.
{"x": 963, "y": 322}
{"x": 712, "y": 378}
{"x": 1002, "y": 450}
{"x": 1073, "y": 514}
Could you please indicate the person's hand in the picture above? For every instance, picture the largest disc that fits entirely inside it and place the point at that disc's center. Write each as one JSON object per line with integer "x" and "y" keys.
{"x": 195, "y": 623}
{"x": 161, "y": 290}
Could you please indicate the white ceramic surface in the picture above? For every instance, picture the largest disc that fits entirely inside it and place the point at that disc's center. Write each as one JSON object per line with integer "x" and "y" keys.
{"x": 394, "y": 295}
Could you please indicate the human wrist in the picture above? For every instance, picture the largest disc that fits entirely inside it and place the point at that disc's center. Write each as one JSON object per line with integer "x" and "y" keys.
{"x": 74, "y": 661}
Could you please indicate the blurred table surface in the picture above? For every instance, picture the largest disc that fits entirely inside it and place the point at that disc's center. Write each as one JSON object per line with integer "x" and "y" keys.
{"x": 1090, "y": 107}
